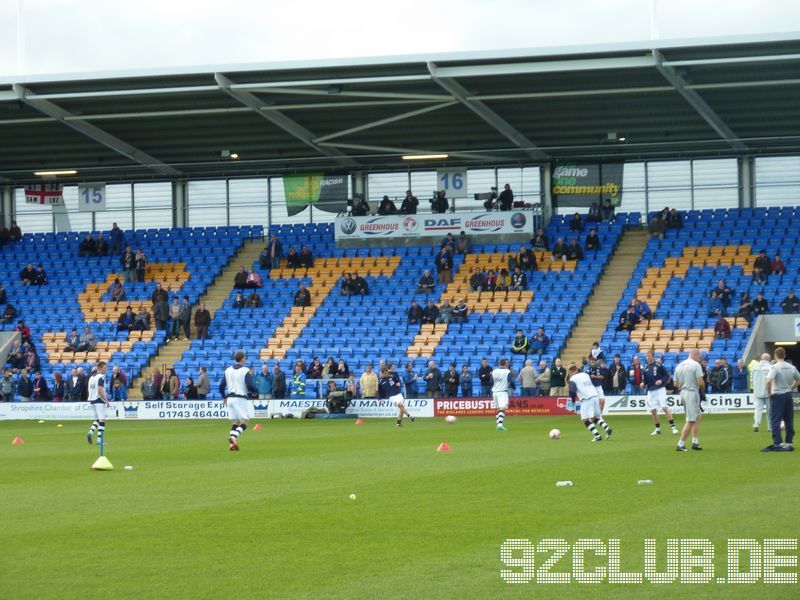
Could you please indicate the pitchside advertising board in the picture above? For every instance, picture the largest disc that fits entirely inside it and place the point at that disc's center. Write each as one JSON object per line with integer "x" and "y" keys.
{"x": 365, "y": 408}
{"x": 433, "y": 225}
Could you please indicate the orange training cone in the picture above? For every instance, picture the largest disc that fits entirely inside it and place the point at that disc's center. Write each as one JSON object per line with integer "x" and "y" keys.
{"x": 18, "y": 441}
{"x": 359, "y": 421}
{"x": 443, "y": 447}
{"x": 258, "y": 427}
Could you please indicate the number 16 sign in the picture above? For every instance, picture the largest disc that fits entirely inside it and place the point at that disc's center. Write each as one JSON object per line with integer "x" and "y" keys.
{"x": 92, "y": 197}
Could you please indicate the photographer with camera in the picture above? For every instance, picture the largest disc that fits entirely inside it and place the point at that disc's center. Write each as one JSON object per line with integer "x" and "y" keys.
{"x": 439, "y": 203}
{"x": 506, "y": 200}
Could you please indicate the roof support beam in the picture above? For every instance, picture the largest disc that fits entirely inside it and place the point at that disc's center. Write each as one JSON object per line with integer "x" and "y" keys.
{"x": 276, "y": 118}
{"x": 698, "y": 104}
{"x": 95, "y": 133}
{"x": 487, "y": 114}
{"x": 390, "y": 150}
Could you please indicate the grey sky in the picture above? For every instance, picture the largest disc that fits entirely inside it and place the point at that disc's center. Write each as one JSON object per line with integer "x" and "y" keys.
{"x": 101, "y": 35}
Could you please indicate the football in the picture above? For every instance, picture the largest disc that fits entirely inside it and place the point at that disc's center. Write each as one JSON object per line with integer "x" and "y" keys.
{"x": 450, "y": 419}
{"x": 555, "y": 434}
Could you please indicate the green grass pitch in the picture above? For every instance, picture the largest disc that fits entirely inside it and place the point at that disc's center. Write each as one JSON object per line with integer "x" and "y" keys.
{"x": 193, "y": 520}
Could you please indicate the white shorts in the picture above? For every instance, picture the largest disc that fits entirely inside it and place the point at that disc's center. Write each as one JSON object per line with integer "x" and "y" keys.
{"x": 499, "y": 400}
{"x": 397, "y": 399}
{"x": 600, "y": 392}
{"x": 99, "y": 410}
{"x": 237, "y": 409}
{"x": 657, "y": 399}
{"x": 590, "y": 408}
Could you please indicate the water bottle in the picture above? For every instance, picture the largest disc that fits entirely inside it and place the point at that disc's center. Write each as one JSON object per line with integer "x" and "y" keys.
{"x": 563, "y": 483}
{"x": 644, "y": 482}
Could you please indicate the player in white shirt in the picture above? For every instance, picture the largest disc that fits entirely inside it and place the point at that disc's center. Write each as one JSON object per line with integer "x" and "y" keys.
{"x": 502, "y": 382}
{"x": 99, "y": 401}
{"x": 234, "y": 388}
{"x": 582, "y": 389}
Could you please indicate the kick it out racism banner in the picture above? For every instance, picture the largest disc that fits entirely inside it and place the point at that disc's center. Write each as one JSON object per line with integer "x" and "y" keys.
{"x": 325, "y": 191}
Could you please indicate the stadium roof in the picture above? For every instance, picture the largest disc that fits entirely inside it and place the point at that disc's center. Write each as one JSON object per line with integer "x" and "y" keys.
{"x": 732, "y": 96}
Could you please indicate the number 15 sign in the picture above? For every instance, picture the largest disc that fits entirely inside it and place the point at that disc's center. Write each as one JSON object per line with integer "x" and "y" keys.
{"x": 92, "y": 197}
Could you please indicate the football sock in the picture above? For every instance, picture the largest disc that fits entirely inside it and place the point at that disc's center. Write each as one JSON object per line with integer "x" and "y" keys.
{"x": 695, "y": 440}
{"x": 94, "y": 426}
{"x": 672, "y": 422}
{"x": 658, "y": 424}
{"x": 101, "y": 429}
{"x": 501, "y": 415}
{"x": 681, "y": 444}
{"x": 590, "y": 426}
{"x": 603, "y": 424}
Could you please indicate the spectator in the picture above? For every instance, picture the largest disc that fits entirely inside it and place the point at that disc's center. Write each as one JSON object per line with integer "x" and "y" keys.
{"x": 87, "y": 247}
{"x": 592, "y": 241}
{"x": 73, "y": 339}
{"x": 117, "y": 291}
{"x": 7, "y": 387}
{"x": 722, "y": 330}
{"x": 128, "y": 262}
{"x": 596, "y": 352}
{"x": 465, "y": 378}
{"x": 540, "y": 240}
{"x": 9, "y": 314}
{"x": 119, "y": 385}
{"x": 724, "y": 377}
{"x": 314, "y": 370}
{"x": 239, "y": 301}
{"x": 485, "y": 378}
{"x": 790, "y": 304}
{"x": 506, "y": 199}
{"x": 433, "y": 381}
{"x": 264, "y": 259}
{"x": 759, "y": 277}
{"x": 101, "y": 247}
{"x": 342, "y": 370}
{"x": 778, "y": 266}
{"x": 414, "y": 313}
{"x": 574, "y": 250}
{"x": 444, "y": 265}
{"x": 607, "y": 210}
{"x": 540, "y": 342}
{"x": 452, "y": 381}
{"x": 171, "y": 386}
{"x": 503, "y": 282}
{"x": 117, "y": 238}
{"x": 161, "y": 313}
{"x": 87, "y": 341}
{"x": 59, "y": 389}
{"x": 387, "y": 207}
{"x": 410, "y": 381}
{"x": 462, "y": 243}
{"x": 627, "y": 320}
{"x": 526, "y": 259}
{"x": 426, "y": 283}
{"x": 762, "y": 267}
{"x": 253, "y": 280}
{"x": 674, "y": 220}
{"x": 74, "y": 387}
{"x": 369, "y": 383}
{"x": 657, "y": 227}
{"x": 203, "y": 384}
{"x": 125, "y": 320}
{"x": 560, "y": 250}
{"x": 490, "y": 283}
{"x": 147, "y": 388}
{"x": 24, "y": 331}
{"x": 360, "y": 206}
{"x": 519, "y": 282}
{"x": 445, "y": 312}
{"x": 159, "y": 294}
{"x": 302, "y": 297}
{"x": 141, "y": 265}
{"x": 142, "y": 320}
{"x": 636, "y": 375}
{"x": 175, "y": 319}
{"x": 619, "y": 376}
{"x": 715, "y": 306}
{"x": 558, "y": 378}
{"x": 278, "y": 382}
{"x": 576, "y": 223}
{"x": 185, "y": 318}
{"x": 158, "y": 382}
{"x": 520, "y": 344}
{"x": 41, "y": 391}
{"x": 543, "y": 379}
{"x": 594, "y": 213}
{"x": 275, "y": 252}
{"x": 254, "y": 301}
{"x": 306, "y": 258}
{"x": 14, "y": 232}
{"x": 410, "y": 204}
{"x": 460, "y": 312}
{"x": 347, "y": 285}
{"x": 477, "y": 281}
{"x": 642, "y": 310}
{"x": 329, "y": 368}
{"x": 760, "y": 305}
{"x": 190, "y": 393}
{"x": 449, "y": 241}
{"x": 240, "y": 279}
{"x": 28, "y": 275}
{"x": 745, "y": 307}
{"x": 359, "y": 285}
{"x": 264, "y": 383}
{"x": 527, "y": 379}
{"x": 202, "y": 321}
{"x": 32, "y": 362}
{"x": 430, "y": 313}
{"x": 24, "y": 386}
{"x": 740, "y": 377}
{"x": 293, "y": 259}
{"x": 439, "y": 203}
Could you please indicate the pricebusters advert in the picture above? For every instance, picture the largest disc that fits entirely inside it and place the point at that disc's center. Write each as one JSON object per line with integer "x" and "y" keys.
{"x": 483, "y": 407}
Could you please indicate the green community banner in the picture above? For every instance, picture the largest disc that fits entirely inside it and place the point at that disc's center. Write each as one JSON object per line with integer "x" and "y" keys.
{"x": 325, "y": 191}
{"x": 585, "y": 184}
